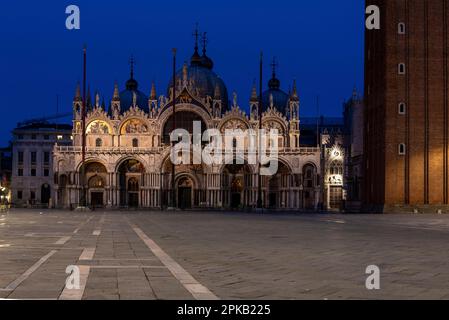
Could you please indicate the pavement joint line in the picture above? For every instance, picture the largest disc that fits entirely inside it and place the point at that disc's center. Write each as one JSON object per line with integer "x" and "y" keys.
{"x": 196, "y": 289}
{"x": 83, "y": 224}
{"x": 77, "y": 294}
{"x": 13, "y": 285}
{"x": 42, "y": 248}
{"x": 63, "y": 240}
{"x": 127, "y": 267}
{"x": 87, "y": 254}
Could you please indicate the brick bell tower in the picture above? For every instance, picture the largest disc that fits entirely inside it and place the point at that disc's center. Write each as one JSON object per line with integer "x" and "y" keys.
{"x": 407, "y": 108}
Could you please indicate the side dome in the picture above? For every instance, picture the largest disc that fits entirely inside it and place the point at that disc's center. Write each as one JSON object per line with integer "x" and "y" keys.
{"x": 131, "y": 95}
{"x": 278, "y": 98}
{"x": 275, "y": 96}
{"x": 127, "y": 100}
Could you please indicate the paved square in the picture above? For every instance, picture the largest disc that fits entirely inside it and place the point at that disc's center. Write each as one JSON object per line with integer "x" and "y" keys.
{"x": 195, "y": 255}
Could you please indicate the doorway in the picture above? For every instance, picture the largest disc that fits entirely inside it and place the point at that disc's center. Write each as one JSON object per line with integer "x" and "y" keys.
{"x": 185, "y": 187}
{"x": 272, "y": 199}
{"x": 236, "y": 200}
{"x": 185, "y": 198}
{"x": 45, "y": 194}
{"x": 336, "y": 197}
{"x": 96, "y": 199}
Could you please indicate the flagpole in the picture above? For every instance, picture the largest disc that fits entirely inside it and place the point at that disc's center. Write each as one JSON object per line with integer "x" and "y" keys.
{"x": 259, "y": 186}
{"x": 83, "y": 119}
{"x": 173, "y": 202}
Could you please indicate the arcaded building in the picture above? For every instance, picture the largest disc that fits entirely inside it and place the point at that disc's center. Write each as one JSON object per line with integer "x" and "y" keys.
{"x": 128, "y": 147}
{"x": 407, "y": 112}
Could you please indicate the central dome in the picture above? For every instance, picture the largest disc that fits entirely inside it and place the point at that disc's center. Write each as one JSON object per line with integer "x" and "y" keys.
{"x": 205, "y": 82}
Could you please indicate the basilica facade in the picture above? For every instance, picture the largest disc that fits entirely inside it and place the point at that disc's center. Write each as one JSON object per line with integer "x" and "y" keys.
{"x": 128, "y": 149}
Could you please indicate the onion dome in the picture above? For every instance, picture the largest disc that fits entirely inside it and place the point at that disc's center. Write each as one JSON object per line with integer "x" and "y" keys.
{"x": 201, "y": 79}
{"x": 274, "y": 96}
{"x": 132, "y": 94}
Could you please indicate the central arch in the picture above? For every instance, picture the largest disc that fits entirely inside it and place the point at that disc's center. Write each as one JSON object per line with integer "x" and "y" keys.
{"x": 130, "y": 176}
{"x": 185, "y": 185}
{"x": 95, "y": 179}
{"x": 184, "y": 120}
{"x": 236, "y": 185}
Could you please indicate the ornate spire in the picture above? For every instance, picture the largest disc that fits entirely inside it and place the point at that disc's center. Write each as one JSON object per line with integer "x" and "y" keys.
{"x": 294, "y": 95}
{"x": 97, "y": 99}
{"x": 196, "y": 59}
{"x": 153, "y": 95}
{"x": 78, "y": 93}
{"x": 132, "y": 84}
{"x": 274, "y": 83}
{"x": 116, "y": 96}
{"x": 254, "y": 97}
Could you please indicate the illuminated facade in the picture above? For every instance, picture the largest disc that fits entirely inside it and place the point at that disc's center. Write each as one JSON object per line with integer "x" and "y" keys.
{"x": 127, "y": 153}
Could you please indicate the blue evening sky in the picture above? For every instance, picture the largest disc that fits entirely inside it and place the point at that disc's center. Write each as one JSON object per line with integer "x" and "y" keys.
{"x": 320, "y": 43}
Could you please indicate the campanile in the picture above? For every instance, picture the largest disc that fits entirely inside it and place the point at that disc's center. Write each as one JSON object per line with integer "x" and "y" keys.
{"x": 407, "y": 107}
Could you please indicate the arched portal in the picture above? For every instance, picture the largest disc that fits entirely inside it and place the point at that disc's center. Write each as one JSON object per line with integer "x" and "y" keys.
{"x": 131, "y": 174}
{"x": 236, "y": 185}
{"x": 185, "y": 193}
{"x": 310, "y": 183}
{"x": 279, "y": 187}
{"x": 95, "y": 177}
{"x": 96, "y": 190}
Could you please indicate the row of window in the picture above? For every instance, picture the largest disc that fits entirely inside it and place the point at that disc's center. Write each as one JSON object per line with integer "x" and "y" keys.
{"x": 402, "y": 108}
{"x": 99, "y": 143}
{"x": 45, "y": 137}
{"x": 33, "y": 157}
{"x": 33, "y": 172}
{"x": 20, "y": 195}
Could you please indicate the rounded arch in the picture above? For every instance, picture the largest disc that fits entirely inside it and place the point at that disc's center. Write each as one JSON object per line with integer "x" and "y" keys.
{"x": 96, "y": 182}
{"x": 135, "y": 125}
{"x": 281, "y": 122}
{"x": 137, "y": 158}
{"x": 286, "y": 163}
{"x": 89, "y": 161}
{"x": 99, "y": 126}
{"x": 251, "y": 167}
{"x": 165, "y": 116}
{"x": 184, "y": 120}
{"x": 183, "y": 175}
{"x": 310, "y": 163}
{"x": 230, "y": 119}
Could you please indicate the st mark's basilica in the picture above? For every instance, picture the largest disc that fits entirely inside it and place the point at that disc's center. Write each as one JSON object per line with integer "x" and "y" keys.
{"x": 128, "y": 147}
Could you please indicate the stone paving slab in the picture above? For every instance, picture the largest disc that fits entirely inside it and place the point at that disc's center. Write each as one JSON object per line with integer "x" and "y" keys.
{"x": 235, "y": 256}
